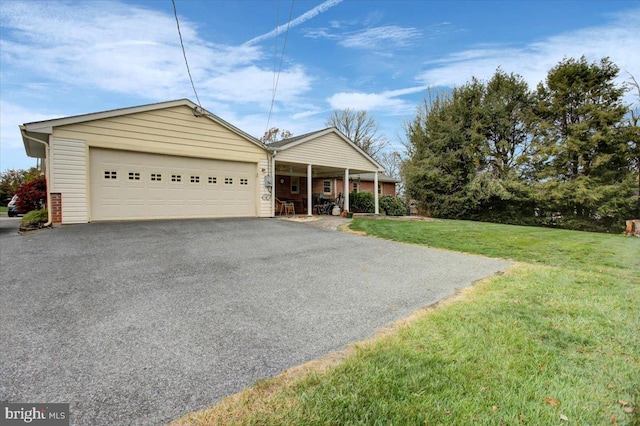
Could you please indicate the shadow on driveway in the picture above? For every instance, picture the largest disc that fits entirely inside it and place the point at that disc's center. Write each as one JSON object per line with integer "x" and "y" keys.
{"x": 142, "y": 322}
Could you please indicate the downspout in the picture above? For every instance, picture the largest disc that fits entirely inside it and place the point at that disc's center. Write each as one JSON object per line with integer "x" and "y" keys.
{"x": 46, "y": 175}
{"x": 271, "y": 155}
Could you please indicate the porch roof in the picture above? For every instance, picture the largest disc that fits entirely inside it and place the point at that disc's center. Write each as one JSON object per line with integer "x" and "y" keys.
{"x": 328, "y": 151}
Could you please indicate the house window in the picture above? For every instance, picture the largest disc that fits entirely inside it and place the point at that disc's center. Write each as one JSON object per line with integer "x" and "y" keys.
{"x": 356, "y": 187}
{"x": 212, "y": 180}
{"x": 176, "y": 178}
{"x": 195, "y": 179}
{"x": 326, "y": 187}
{"x": 295, "y": 184}
{"x": 156, "y": 177}
{"x": 110, "y": 174}
{"x": 380, "y": 188}
{"x": 244, "y": 181}
{"x": 134, "y": 175}
{"x": 228, "y": 181}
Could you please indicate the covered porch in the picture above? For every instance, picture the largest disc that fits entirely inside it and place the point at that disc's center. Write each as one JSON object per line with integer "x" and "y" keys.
{"x": 314, "y": 189}
{"x": 314, "y": 169}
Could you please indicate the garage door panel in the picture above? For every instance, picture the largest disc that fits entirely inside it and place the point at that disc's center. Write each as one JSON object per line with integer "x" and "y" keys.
{"x": 126, "y": 185}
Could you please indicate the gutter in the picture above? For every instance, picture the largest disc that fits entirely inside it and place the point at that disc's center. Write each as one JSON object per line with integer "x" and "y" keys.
{"x": 46, "y": 174}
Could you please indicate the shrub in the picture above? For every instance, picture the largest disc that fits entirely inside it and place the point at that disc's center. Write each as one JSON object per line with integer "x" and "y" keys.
{"x": 32, "y": 195}
{"x": 392, "y": 206}
{"x": 34, "y": 219}
{"x": 362, "y": 202}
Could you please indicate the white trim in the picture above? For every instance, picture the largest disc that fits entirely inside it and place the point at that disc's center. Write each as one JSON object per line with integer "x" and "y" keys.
{"x": 346, "y": 189}
{"x": 309, "y": 190}
{"x": 46, "y": 127}
{"x": 375, "y": 192}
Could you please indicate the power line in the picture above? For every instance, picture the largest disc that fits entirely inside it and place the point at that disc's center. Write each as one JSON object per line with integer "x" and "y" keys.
{"x": 275, "y": 50}
{"x": 284, "y": 46}
{"x": 175, "y": 12}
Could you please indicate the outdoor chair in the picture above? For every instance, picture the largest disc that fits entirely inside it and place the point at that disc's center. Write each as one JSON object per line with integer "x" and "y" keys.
{"x": 286, "y": 207}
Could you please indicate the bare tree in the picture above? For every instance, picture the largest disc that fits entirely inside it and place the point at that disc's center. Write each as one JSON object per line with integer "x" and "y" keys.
{"x": 360, "y": 128}
{"x": 274, "y": 134}
{"x": 634, "y": 125}
{"x": 391, "y": 161}
{"x": 632, "y": 85}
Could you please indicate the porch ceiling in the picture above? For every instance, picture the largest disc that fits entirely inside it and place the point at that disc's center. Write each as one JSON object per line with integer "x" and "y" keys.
{"x": 297, "y": 169}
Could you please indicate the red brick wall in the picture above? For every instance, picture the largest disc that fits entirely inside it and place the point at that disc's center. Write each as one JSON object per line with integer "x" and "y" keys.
{"x": 56, "y": 207}
{"x": 283, "y": 190}
{"x": 388, "y": 188}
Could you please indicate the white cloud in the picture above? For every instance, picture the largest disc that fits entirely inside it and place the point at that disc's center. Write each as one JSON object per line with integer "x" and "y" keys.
{"x": 252, "y": 84}
{"x": 619, "y": 40}
{"x": 131, "y": 50}
{"x": 378, "y": 37}
{"x": 375, "y": 38}
{"x": 310, "y": 14}
{"x": 388, "y": 101}
{"x": 11, "y": 146}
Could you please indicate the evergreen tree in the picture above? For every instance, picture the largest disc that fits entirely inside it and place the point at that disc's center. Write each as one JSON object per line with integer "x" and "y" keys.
{"x": 583, "y": 157}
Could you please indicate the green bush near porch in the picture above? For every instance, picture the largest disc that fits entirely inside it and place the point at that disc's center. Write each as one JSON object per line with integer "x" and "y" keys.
{"x": 392, "y": 206}
{"x": 361, "y": 202}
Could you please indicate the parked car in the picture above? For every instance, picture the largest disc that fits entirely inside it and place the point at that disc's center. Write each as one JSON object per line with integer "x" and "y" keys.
{"x": 12, "y": 209}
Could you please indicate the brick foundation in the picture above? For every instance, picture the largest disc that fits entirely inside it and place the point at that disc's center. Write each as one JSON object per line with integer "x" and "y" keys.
{"x": 56, "y": 207}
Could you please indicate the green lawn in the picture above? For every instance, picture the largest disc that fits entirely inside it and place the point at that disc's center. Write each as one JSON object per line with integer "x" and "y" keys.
{"x": 3, "y": 210}
{"x": 556, "y": 340}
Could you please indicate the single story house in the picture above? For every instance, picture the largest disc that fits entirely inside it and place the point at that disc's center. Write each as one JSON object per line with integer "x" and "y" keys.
{"x": 176, "y": 160}
{"x": 325, "y": 147}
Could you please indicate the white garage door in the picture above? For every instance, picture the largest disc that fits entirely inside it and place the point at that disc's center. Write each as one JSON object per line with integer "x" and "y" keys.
{"x": 131, "y": 185}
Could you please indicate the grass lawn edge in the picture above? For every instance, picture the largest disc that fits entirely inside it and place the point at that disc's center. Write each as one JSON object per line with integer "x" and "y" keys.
{"x": 234, "y": 408}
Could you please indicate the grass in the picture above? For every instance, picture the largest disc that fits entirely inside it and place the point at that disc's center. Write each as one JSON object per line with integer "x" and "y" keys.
{"x": 3, "y": 210}
{"x": 555, "y": 340}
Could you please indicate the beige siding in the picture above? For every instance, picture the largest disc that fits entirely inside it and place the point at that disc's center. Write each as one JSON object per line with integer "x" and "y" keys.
{"x": 172, "y": 131}
{"x": 69, "y": 177}
{"x": 264, "y": 201}
{"x": 327, "y": 150}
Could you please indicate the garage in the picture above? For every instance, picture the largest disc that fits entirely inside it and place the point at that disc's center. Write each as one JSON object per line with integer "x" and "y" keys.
{"x": 176, "y": 160}
{"x": 169, "y": 160}
{"x": 131, "y": 185}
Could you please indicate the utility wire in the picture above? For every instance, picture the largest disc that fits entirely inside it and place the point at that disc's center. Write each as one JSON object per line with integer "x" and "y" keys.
{"x": 284, "y": 46}
{"x": 175, "y": 12}
{"x": 275, "y": 50}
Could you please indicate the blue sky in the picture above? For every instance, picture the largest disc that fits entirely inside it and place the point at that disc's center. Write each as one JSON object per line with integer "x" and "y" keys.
{"x": 67, "y": 58}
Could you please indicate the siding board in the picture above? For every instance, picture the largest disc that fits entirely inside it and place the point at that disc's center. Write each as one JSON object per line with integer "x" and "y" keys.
{"x": 328, "y": 150}
{"x": 171, "y": 131}
{"x": 68, "y": 177}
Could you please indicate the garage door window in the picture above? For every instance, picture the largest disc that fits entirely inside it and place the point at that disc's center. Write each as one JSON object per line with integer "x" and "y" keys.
{"x": 228, "y": 181}
{"x": 134, "y": 175}
{"x": 156, "y": 177}
{"x": 110, "y": 174}
{"x": 244, "y": 181}
{"x": 195, "y": 179}
{"x": 212, "y": 180}
{"x": 176, "y": 178}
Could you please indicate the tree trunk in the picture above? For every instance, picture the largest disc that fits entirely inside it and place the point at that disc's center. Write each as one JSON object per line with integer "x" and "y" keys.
{"x": 633, "y": 228}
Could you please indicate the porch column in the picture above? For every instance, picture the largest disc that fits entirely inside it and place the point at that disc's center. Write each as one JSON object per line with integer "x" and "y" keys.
{"x": 272, "y": 172}
{"x": 375, "y": 192}
{"x": 309, "y": 189}
{"x": 346, "y": 189}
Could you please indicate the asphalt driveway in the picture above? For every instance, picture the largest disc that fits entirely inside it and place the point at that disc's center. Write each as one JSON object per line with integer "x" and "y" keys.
{"x": 142, "y": 322}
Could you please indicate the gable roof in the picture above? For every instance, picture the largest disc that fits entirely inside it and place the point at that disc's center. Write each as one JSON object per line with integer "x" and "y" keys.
{"x": 40, "y": 129}
{"x": 297, "y": 140}
{"x": 382, "y": 177}
{"x": 291, "y": 140}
